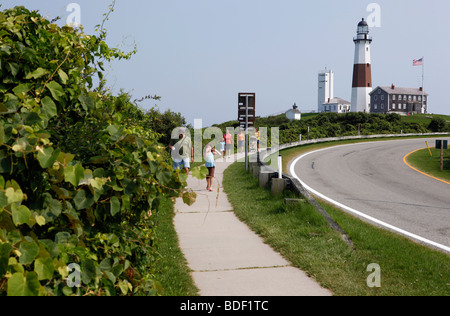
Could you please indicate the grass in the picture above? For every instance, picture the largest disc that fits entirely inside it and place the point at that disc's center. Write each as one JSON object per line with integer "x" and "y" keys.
{"x": 304, "y": 238}
{"x": 173, "y": 272}
{"x": 422, "y": 161}
{"x": 424, "y": 119}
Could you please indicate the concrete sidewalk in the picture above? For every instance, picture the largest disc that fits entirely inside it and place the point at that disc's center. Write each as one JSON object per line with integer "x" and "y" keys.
{"x": 226, "y": 257}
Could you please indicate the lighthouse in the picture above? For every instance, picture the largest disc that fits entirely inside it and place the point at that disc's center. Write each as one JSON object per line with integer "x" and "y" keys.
{"x": 362, "y": 70}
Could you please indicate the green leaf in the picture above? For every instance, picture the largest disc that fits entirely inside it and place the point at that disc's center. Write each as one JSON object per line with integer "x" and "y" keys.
{"x": 113, "y": 130}
{"x": 163, "y": 176}
{"x": 189, "y": 198}
{"x": 44, "y": 268}
{"x": 115, "y": 206}
{"x": 63, "y": 76}
{"x": 20, "y": 214}
{"x": 38, "y": 73}
{"x": 56, "y": 90}
{"x": 200, "y": 172}
{"x": 82, "y": 201}
{"x": 65, "y": 159}
{"x": 54, "y": 206}
{"x": 14, "y": 196}
{"x": 29, "y": 251}
{"x": 31, "y": 118}
{"x": 125, "y": 286}
{"x": 49, "y": 107}
{"x": 63, "y": 238}
{"x": 22, "y": 89}
{"x": 5, "y": 250}
{"x": 74, "y": 174}
{"x": 23, "y": 285}
{"x": 88, "y": 271}
{"x": 86, "y": 102}
{"x": 47, "y": 157}
{"x": 13, "y": 68}
{"x": 40, "y": 220}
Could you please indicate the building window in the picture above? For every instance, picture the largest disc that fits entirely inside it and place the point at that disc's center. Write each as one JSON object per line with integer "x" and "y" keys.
{"x": 393, "y": 97}
{"x": 376, "y": 98}
{"x": 382, "y": 106}
{"x": 404, "y": 106}
{"x": 404, "y": 97}
{"x": 382, "y": 97}
{"x": 375, "y": 106}
{"x": 393, "y": 106}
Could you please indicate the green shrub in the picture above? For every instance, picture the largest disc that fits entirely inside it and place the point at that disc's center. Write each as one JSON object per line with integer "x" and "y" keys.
{"x": 80, "y": 175}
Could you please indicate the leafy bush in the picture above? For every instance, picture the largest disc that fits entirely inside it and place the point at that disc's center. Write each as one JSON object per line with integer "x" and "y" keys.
{"x": 438, "y": 125}
{"x": 80, "y": 174}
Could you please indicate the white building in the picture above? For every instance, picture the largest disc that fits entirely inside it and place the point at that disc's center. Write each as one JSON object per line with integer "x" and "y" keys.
{"x": 362, "y": 70}
{"x": 336, "y": 105}
{"x": 294, "y": 114}
{"x": 326, "y": 88}
{"x": 326, "y": 100}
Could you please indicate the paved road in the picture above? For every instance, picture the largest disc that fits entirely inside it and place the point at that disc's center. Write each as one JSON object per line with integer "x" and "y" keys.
{"x": 372, "y": 178}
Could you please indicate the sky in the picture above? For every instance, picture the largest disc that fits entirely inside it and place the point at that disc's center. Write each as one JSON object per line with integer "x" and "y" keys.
{"x": 199, "y": 54}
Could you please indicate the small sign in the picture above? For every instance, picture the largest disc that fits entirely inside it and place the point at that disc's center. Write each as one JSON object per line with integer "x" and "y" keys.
{"x": 440, "y": 142}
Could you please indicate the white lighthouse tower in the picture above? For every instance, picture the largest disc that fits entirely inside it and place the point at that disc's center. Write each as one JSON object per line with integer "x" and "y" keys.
{"x": 362, "y": 71}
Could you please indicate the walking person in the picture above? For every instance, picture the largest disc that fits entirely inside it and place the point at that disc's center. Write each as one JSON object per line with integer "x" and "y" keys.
{"x": 210, "y": 153}
{"x": 241, "y": 141}
{"x": 229, "y": 142}
{"x": 222, "y": 146}
{"x": 182, "y": 152}
{"x": 257, "y": 139}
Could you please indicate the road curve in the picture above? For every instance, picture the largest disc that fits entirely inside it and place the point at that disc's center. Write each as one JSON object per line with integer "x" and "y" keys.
{"x": 371, "y": 181}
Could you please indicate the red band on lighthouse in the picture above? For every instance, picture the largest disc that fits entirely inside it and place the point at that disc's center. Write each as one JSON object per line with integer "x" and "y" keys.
{"x": 362, "y": 76}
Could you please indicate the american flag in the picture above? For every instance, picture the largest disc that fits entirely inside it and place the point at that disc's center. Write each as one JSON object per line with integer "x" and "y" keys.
{"x": 418, "y": 62}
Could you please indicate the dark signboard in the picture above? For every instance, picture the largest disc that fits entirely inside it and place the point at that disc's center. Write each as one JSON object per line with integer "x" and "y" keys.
{"x": 247, "y": 108}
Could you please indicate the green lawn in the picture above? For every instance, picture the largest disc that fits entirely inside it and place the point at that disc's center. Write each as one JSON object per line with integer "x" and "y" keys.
{"x": 422, "y": 161}
{"x": 423, "y": 118}
{"x": 304, "y": 238}
{"x": 173, "y": 273}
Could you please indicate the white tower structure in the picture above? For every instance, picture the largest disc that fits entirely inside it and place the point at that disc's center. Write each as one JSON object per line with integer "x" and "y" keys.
{"x": 326, "y": 87}
{"x": 362, "y": 71}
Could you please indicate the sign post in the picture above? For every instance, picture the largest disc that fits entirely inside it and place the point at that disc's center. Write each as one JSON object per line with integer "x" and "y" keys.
{"x": 442, "y": 144}
{"x": 246, "y": 117}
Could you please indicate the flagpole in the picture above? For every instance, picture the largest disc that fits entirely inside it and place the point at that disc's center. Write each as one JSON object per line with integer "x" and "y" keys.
{"x": 423, "y": 80}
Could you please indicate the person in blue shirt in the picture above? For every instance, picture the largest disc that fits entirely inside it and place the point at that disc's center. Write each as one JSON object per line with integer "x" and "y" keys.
{"x": 210, "y": 163}
{"x": 222, "y": 146}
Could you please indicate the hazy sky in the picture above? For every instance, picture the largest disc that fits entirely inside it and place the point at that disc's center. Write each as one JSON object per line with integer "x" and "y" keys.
{"x": 199, "y": 54}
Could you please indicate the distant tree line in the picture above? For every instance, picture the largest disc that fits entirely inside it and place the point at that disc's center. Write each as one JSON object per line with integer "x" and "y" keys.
{"x": 325, "y": 125}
